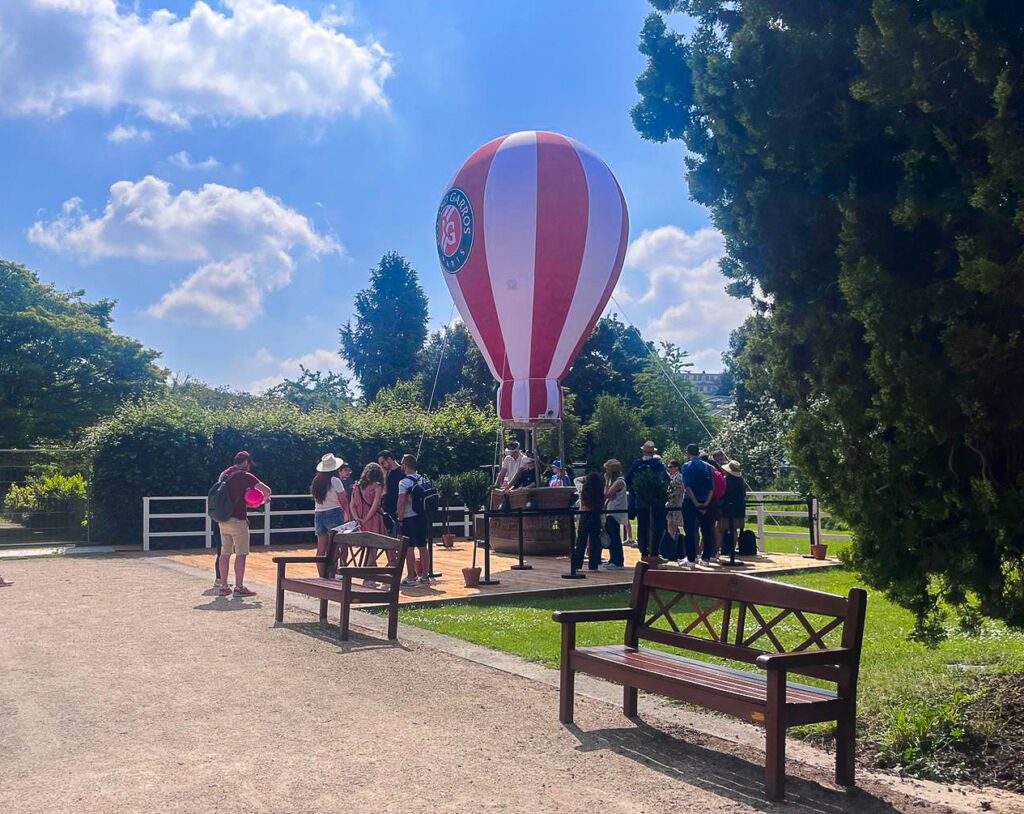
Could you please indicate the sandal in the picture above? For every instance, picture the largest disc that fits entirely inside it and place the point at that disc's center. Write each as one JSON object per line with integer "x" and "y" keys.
{"x": 225, "y": 591}
{"x": 244, "y": 592}
{"x": 5, "y": 583}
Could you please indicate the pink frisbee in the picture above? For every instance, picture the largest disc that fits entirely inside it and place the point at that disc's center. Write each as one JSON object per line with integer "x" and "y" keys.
{"x": 253, "y": 498}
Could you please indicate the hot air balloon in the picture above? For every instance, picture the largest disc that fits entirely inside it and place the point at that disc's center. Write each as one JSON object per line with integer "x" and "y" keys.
{"x": 531, "y": 235}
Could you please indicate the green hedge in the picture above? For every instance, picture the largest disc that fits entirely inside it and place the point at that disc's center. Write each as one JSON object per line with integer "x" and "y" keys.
{"x": 177, "y": 447}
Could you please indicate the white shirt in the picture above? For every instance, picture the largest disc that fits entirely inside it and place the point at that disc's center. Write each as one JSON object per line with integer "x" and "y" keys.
{"x": 512, "y": 466}
{"x": 331, "y": 498}
{"x": 405, "y": 487}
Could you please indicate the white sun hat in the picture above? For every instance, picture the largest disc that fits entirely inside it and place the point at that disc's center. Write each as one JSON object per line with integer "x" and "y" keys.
{"x": 329, "y": 463}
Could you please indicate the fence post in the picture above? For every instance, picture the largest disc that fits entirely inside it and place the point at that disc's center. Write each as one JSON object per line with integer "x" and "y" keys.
{"x": 209, "y": 523}
{"x": 466, "y": 525}
{"x": 266, "y": 522}
{"x": 760, "y": 524}
{"x": 145, "y": 524}
{"x": 817, "y": 521}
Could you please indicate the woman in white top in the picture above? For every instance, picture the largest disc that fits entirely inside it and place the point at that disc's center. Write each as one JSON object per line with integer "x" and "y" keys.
{"x": 616, "y": 502}
{"x": 330, "y": 501}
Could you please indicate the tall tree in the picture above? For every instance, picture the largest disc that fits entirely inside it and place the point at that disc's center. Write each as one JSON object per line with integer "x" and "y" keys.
{"x": 864, "y": 160}
{"x": 612, "y": 355}
{"x": 616, "y": 430}
{"x": 314, "y": 389}
{"x": 61, "y": 365}
{"x": 382, "y": 345}
{"x": 463, "y": 372}
{"x": 673, "y": 408}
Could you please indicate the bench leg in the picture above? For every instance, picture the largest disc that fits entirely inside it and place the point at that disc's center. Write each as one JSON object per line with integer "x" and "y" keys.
{"x": 567, "y": 676}
{"x": 846, "y": 740}
{"x": 323, "y": 610}
{"x": 279, "y": 606}
{"x": 775, "y": 743}
{"x": 346, "y": 608}
{"x": 393, "y": 622}
{"x": 629, "y": 701}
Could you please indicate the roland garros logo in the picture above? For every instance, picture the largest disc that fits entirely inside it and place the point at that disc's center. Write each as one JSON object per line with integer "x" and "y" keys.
{"x": 454, "y": 230}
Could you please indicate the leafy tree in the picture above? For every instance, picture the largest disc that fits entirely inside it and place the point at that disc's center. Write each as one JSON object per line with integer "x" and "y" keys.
{"x": 547, "y": 439}
{"x": 616, "y": 430}
{"x": 463, "y": 372}
{"x": 188, "y": 387}
{"x": 665, "y": 392}
{"x": 758, "y": 439}
{"x": 863, "y": 159}
{"x": 313, "y": 390}
{"x": 612, "y": 355}
{"x": 749, "y": 379}
{"x": 382, "y": 345}
{"x": 61, "y": 365}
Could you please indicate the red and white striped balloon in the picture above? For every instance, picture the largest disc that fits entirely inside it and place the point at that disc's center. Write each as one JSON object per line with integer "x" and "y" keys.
{"x": 531, "y": 235}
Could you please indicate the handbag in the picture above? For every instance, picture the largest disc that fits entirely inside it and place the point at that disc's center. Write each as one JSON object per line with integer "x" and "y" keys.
{"x": 606, "y": 539}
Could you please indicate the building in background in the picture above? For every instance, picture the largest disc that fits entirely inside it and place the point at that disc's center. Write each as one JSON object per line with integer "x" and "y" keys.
{"x": 707, "y": 384}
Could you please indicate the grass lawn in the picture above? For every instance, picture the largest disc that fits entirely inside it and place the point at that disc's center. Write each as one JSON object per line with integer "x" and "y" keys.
{"x": 906, "y": 689}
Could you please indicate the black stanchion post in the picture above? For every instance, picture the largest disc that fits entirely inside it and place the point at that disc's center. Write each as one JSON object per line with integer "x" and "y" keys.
{"x": 522, "y": 566}
{"x": 573, "y": 573}
{"x": 487, "y": 553}
{"x": 430, "y": 547}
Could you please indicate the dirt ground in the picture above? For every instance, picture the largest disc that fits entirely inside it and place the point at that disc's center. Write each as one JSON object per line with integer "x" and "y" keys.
{"x": 129, "y": 687}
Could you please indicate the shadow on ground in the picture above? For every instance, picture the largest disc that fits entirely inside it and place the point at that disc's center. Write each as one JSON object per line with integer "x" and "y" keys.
{"x": 331, "y": 634}
{"x": 725, "y": 775}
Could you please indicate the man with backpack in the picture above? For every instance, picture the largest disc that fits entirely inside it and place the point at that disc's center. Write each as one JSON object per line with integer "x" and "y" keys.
{"x": 392, "y": 477}
{"x": 415, "y": 496}
{"x": 699, "y": 482}
{"x": 226, "y": 505}
{"x": 650, "y": 520}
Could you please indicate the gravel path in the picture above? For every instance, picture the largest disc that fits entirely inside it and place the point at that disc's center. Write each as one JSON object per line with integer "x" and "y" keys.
{"x": 125, "y": 688}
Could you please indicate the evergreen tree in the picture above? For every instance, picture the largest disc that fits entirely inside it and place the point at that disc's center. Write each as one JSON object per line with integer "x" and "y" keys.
{"x": 612, "y": 355}
{"x": 673, "y": 408}
{"x": 61, "y": 366}
{"x": 864, "y": 160}
{"x": 463, "y": 375}
{"x": 382, "y": 345}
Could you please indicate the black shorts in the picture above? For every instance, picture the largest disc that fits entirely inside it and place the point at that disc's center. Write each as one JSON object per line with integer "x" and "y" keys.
{"x": 415, "y": 528}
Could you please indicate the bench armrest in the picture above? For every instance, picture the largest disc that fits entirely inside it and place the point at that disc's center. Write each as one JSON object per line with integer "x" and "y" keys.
{"x": 280, "y": 560}
{"x": 806, "y": 658}
{"x": 598, "y": 615}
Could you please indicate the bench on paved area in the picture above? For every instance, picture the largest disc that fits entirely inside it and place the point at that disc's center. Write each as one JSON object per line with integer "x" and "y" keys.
{"x": 360, "y": 556}
{"x": 752, "y": 612}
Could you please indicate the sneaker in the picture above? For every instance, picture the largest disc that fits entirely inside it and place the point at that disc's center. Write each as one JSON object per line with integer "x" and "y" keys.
{"x": 689, "y": 565}
{"x": 610, "y": 566}
{"x": 410, "y": 582}
{"x": 216, "y": 583}
{"x": 369, "y": 583}
{"x": 425, "y": 579}
{"x": 225, "y": 590}
{"x": 704, "y": 562}
{"x": 243, "y": 591}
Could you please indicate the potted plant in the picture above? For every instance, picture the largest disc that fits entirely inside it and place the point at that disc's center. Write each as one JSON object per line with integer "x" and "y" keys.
{"x": 447, "y": 490}
{"x": 474, "y": 487}
{"x": 819, "y": 550}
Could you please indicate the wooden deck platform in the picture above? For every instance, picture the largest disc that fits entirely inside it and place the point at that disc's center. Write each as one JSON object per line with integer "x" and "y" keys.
{"x": 544, "y": 578}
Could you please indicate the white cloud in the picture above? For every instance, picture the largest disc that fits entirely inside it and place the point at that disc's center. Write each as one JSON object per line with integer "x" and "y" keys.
{"x": 257, "y": 59}
{"x": 185, "y": 162}
{"x": 123, "y": 133}
{"x": 676, "y": 293}
{"x": 321, "y": 359}
{"x": 245, "y": 243}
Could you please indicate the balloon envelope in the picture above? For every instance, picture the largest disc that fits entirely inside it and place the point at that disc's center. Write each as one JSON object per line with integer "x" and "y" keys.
{"x": 531, "y": 235}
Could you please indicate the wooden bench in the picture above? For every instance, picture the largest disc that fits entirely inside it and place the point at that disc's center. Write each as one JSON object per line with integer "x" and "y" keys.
{"x": 734, "y": 617}
{"x": 350, "y": 557}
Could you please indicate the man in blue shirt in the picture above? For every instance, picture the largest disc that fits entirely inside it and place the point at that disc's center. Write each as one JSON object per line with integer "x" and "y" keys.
{"x": 699, "y": 482}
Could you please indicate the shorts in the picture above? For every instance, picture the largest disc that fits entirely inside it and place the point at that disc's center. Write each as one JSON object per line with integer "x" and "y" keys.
{"x": 415, "y": 528}
{"x": 323, "y": 522}
{"x": 234, "y": 537}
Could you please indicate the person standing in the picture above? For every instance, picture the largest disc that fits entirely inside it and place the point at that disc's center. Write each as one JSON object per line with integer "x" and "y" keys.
{"x": 674, "y": 518}
{"x": 510, "y": 467}
{"x": 650, "y": 520}
{"x": 367, "y": 496}
{"x": 392, "y": 477}
{"x": 699, "y": 484}
{"x": 616, "y": 503}
{"x": 558, "y": 476}
{"x": 717, "y": 493}
{"x": 412, "y": 524}
{"x": 734, "y": 506}
{"x": 591, "y": 503}
{"x": 345, "y": 476}
{"x": 234, "y": 532}
{"x": 330, "y": 503}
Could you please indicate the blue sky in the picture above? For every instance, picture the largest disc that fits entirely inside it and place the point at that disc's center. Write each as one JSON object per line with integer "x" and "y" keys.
{"x": 263, "y": 156}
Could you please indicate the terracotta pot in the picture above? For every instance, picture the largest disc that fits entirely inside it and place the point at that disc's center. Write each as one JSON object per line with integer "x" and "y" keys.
{"x": 819, "y": 550}
{"x": 448, "y": 540}
{"x": 472, "y": 577}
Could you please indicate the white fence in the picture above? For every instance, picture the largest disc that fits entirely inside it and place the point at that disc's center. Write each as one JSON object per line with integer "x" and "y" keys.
{"x": 267, "y": 512}
{"x": 758, "y": 511}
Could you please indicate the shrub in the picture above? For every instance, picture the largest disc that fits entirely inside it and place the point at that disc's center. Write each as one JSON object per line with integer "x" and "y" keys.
{"x": 48, "y": 500}
{"x": 179, "y": 446}
{"x": 475, "y": 487}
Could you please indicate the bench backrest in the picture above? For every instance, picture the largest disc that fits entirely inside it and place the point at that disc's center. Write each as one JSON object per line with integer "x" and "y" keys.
{"x": 364, "y": 549}
{"x": 740, "y": 617}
